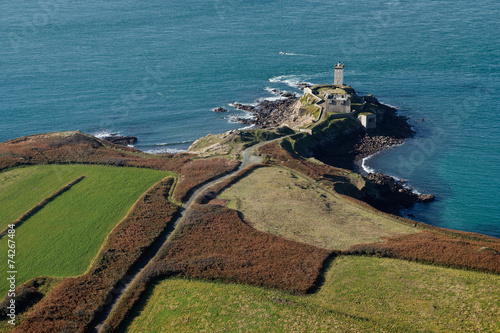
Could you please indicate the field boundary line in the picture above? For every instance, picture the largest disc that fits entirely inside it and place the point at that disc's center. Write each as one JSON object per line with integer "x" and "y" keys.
{"x": 41, "y": 205}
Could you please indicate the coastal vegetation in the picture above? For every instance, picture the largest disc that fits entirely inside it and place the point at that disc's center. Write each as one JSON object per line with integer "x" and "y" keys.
{"x": 358, "y": 294}
{"x": 62, "y": 238}
{"x": 230, "y": 144}
{"x": 214, "y": 243}
{"x": 200, "y": 171}
{"x": 288, "y": 236}
{"x": 447, "y": 249}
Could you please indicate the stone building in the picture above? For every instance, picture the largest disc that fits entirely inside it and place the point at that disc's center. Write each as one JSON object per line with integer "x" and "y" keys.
{"x": 368, "y": 120}
{"x": 337, "y": 103}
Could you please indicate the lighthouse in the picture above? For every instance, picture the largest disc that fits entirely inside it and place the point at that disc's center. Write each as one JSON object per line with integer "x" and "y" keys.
{"x": 339, "y": 74}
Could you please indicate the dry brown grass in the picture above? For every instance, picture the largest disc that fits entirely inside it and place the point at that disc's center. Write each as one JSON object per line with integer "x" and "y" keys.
{"x": 286, "y": 204}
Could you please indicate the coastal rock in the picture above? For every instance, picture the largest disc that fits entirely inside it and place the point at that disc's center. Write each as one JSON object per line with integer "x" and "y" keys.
{"x": 220, "y": 109}
{"x": 245, "y": 121}
{"x": 121, "y": 140}
{"x": 426, "y": 197}
{"x": 371, "y": 99}
{"x": 243, "y": 107}
{"x": 303, "y": 85}
{"x": 390, "y": 195}
{"x": 287, "y": 94}
{"x": 369, "y": 144}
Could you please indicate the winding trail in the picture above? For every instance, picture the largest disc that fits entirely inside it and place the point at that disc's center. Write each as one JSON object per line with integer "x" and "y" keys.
{"x": 127, "y": 280}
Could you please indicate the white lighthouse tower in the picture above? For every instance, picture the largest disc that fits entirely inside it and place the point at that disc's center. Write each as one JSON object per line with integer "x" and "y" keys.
{"x": 339, "y": 74}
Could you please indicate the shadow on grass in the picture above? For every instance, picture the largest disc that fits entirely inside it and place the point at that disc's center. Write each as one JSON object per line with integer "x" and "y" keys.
{"x": 320, "y": 280}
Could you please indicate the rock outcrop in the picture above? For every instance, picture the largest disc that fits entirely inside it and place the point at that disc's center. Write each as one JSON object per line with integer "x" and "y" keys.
{"x": 220, "y": 109}
{"x": 390, "y": 195}
{"x": 121, "y": 140}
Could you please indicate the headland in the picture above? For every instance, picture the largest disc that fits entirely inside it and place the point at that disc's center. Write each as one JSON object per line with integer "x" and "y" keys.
{"x": 272, "y": 213}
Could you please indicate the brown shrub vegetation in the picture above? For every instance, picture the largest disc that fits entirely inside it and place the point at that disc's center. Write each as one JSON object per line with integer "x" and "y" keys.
{"x": 27, "y": 294}
{"x": 73, "y": 304}
{"x": 214, "y": 243}
{"x": 197, "y": 172}
{"x": 76, "y": 147}
{"x": 444, "y": 250}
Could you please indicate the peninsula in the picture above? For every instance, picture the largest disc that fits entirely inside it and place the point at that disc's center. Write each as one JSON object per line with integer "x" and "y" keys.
{"x": 268, "y": 229}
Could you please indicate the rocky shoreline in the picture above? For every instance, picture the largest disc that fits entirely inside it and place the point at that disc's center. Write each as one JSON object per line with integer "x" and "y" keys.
{"x": 386, "y": 194}
{"x": 269, "y": 114}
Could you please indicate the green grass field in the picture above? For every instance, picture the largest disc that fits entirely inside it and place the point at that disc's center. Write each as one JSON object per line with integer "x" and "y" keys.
{"x": 62, "y": 238}
{"x": 283, "y": 203}
{"x": 22, "y": 188}
{"x": 359, "y": 294}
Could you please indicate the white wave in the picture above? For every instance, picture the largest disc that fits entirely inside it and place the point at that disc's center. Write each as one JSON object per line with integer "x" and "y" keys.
{"x": 244, "y": 115}
{"x": 272, "y": 99}
{"x": 297, "y": 54}
{"x": 389, "y": 105}
{"x": 164, "y": 151}
{"x": 290, "y": 80}
{"x": 369, "y": 169}
{"x": 274, "y": 91}
{"x": 251, "y": 104}
{"x": 172, "y": 143}
{"x": 365, "y": 167}
{"x": 104, "y": 133}
{"x": 247, "y": 127}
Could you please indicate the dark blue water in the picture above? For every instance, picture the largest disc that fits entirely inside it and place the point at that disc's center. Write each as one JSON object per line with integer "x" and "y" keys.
{"x": 155, "y": 70}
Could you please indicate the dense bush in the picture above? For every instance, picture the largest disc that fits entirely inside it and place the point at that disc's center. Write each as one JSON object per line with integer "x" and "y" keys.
{"x": 197, "y": 172}
{"x": 27, "y": 295}
{"x": 214, "y": 243}
{"x": 438, "y": 249}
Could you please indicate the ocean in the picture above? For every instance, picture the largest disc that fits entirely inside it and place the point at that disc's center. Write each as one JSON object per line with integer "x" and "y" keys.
{"x": 157, "y": 69}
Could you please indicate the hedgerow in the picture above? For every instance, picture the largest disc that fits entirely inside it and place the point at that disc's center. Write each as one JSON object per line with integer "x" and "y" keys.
{"x": 437, "y": 249}
{"x": 197, "y": 172}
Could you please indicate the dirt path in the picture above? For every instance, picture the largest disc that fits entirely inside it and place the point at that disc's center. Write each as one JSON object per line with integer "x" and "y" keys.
{"x": 127, "y": 280}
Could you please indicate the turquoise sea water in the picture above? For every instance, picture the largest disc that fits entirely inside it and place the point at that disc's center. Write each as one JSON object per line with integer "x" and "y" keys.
{"x": 155, "y": 70}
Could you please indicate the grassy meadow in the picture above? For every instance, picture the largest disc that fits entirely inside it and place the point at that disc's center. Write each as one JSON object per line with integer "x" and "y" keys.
{"x": 283, "y": 203}
{"x": 63, "y": 237}
{"x": 359, "y": 294}
{"x": 23, "y": 188}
